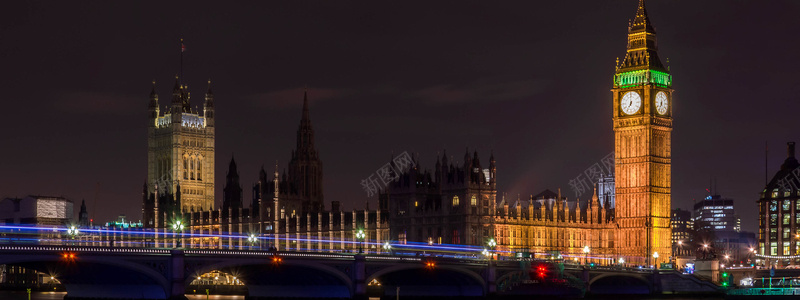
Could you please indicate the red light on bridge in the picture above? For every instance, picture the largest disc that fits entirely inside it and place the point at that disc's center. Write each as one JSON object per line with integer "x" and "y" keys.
{"x": 68, "y": 256}
{"x": 276, "y": 260}
{"x": 430, "y": 264}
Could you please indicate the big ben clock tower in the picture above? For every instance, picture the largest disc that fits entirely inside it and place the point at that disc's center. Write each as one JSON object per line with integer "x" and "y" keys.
{"x": 642, "y": 115}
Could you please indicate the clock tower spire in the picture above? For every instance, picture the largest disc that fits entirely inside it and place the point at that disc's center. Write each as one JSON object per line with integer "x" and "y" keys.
{"x": 642, "y": 119}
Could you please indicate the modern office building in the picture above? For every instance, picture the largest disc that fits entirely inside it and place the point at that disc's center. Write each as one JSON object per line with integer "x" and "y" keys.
{"x": 682, "y": 227}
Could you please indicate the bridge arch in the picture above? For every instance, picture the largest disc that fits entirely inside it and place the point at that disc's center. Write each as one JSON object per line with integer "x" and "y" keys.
{"x": 87, "y": 276}
{"x": 449, "y": 273}
{"x": 290, "y": 274}
{"x": 620, "y": 283}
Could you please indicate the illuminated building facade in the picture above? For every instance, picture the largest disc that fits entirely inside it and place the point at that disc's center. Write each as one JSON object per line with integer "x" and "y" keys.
{"x": 180, "y": 155}
{"x": 642, "y": 118}
{"x": 37, "y": 210}
{"x": 682, "y": 226}
{"x": 286, "y": 212}
{"x": 456, "y": 204}
{"x": 779, "y": 212}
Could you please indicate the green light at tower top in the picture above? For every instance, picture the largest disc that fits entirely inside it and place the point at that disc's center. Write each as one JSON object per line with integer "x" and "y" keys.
{"x": 642, "y": 77}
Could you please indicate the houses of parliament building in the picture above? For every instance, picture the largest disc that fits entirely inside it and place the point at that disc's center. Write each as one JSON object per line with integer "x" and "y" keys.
{"x": 455, "y": 202}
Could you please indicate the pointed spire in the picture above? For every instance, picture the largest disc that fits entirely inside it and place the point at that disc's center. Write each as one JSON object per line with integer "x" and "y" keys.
{"x": 642, "y": 53}
{"x": 209, "y": 92}
{"x": 641, "y": 21}
{"x": 177, "y": 87}
{"x": 232, "y": 167}
{"x": 153, "y": 93}
{"x": 305, "y": 134}
{"x": 305, "y": 107}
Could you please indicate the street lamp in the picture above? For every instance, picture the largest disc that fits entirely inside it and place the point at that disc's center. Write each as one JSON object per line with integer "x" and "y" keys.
{"x": 360, "y": 235}
{"x": 387, "y": 247}
{"x": 492, "y": 244}
{"x": 655, "y": 260}
{"x": 621, "y": 261}
{"x": 252, "y": 239}
{"x": 586, "y": 254}
{"x": 485, "y": 252}
{"x": 72, "y": 231}
{"x": 178, "y": 227}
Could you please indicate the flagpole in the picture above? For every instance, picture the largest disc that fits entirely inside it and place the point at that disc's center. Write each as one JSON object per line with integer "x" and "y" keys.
{"x": 181, "y": 47}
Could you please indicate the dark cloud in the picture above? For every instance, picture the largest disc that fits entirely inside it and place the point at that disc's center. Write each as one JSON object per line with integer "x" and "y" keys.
{"x": 91, "y": 102}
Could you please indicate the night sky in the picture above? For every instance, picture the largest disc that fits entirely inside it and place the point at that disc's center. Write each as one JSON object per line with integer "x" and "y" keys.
{"x": 528, "y": 80}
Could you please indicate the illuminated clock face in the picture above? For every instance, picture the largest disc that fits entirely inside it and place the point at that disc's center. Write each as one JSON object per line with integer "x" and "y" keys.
{"x": 631, "y": 102}
{"x": 661, "y": 103}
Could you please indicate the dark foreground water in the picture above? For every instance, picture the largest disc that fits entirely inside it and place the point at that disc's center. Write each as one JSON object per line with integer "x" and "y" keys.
{"x": 9, "y": 295}
{"x": 17, "y": 295}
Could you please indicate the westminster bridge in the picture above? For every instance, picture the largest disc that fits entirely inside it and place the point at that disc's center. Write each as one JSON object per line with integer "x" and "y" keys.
{"x": 151, "y": 273}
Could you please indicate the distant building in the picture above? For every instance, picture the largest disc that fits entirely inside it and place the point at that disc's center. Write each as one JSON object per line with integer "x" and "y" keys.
{"x": 715, "y": 213}
{"x": 39, "y": 211}
{"x": 779, "y": 213}
{"x": 36, "y": 210}
{"x": 83, "y": 216}
{"x": 682, "y": 226}
{"x": 606, "y": 193}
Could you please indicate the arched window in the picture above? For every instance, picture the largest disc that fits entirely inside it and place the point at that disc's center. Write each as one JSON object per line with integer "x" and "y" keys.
{"x": 199, "y": 168}
{"x": 185, "y": 168}
{"x": 191, "y": 167}
{"x": 455, "y": 200}
{"x": 473, "y": 201}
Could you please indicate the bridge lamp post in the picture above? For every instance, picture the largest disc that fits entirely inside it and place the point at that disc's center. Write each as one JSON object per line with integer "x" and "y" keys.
{"x": 621, "y": 261}
{"x": 253, "y": 240}
{"x": 655, "y": 260}
{"x": 72, "y": 231}
{"x": 178, "y": 227}
{"x": 492, "y": 244}
{"x": 387, "y": 247}
{"x": 485, "y": 253}
{"x": 360, "y": 236}
{"x": 586, "y": 255}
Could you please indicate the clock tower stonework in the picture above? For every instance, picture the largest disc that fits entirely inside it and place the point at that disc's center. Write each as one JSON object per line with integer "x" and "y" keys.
{"x": 642, "y": 117}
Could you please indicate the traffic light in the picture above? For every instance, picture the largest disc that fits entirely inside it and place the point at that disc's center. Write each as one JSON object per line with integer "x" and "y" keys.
{"x": 725, "y": 279}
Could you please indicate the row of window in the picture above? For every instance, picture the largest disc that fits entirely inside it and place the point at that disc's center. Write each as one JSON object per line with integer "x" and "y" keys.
{"x": 786, "y": 205}
{"x": 193, "y": 168}
{"x": 773, "y": 248}
{"x": 787, "y": 218}
{"x": 473, "y": 201}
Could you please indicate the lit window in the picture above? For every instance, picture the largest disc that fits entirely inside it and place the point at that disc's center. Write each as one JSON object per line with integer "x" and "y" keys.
{"x": 473, "y": 201}
{"x": 787, "y": 204}
{"x": 786, "y": 219}
{"x": 455, "y": 200}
